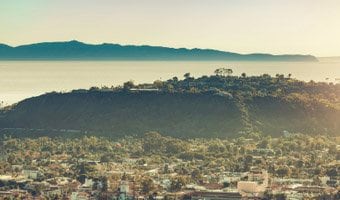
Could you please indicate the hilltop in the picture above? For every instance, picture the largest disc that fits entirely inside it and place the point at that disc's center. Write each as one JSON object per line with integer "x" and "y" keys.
{"x": 216, "y": 106}
{"x": 75, "y": 50}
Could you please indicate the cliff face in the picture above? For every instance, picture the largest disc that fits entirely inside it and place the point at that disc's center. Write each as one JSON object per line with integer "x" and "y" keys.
{"x": 174, "y": 114}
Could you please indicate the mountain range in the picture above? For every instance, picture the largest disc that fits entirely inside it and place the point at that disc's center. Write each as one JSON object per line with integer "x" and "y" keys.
{"x": 75, "y": 50}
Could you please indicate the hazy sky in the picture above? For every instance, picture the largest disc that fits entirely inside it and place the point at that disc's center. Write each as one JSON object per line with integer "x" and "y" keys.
{"x": 245, "y": 26}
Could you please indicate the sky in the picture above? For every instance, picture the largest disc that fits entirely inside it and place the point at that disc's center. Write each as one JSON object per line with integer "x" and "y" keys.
{"x": 243, "y": 26}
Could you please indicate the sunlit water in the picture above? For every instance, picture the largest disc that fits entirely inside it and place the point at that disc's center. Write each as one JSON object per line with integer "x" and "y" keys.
{"x": 23, "y": 79}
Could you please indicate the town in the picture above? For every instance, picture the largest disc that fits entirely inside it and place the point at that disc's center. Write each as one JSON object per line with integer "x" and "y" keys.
{"x": 154, "y": 166}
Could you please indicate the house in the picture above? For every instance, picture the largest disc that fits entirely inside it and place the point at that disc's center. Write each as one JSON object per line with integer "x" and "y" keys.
{"x": 79, "y": 196}
{"x": 324, "y": 180}
{"x": 31, "y": 174}
{"x": 257, "y": 182}
{"x": 88, "y": 183}
{"x": 124, "y": 187}
{"x": 53, "y": 191}
{"x": 126, "y": 190}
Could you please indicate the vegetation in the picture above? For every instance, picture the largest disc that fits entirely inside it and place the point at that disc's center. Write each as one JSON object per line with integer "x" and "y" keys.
{"x": 294, "y": 155}
{"x": 221, "y": 105}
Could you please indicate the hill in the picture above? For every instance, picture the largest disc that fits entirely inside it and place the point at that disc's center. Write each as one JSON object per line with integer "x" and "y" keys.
{"x": 213, "y": 106}
{"x": 75, "y": 50}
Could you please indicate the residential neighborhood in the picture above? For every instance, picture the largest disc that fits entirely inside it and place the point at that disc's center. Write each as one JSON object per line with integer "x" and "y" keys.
{"x": 293, "y": 166}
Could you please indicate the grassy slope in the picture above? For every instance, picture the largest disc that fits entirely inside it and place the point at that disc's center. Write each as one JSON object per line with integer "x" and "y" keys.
{"x": 181, "y": 115}
{"x": 127, "y": 113}
{"x": 273, "y": 115}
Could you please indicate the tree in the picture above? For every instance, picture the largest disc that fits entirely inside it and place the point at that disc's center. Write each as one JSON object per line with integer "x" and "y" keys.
{"x": 226, "y": 184}
{"x": 128, "y": 85}
{"x": 154, "y": 143}
{"x": 175, "y": 146}
{"x": 264, "y": 143}
{"x": 333, "y": 172}
{"x": 223, "y": 72}
{"x": 105, "y": 158}
{"x": 187, "y": 75}
{"x": 177, "y": 183}
{"x": 279, "y": 77}
{"x": 175, "y": 79}
{"x": 218, "y": 72}
{"x": 166, "y": 169}
{"x": 158, "y": 84}
{"x": 147, "y": 185}
{"x": 104, "y": 182}
{"x": 196, "y": 175}
{"x": 83, "y": 169}
{"x": 243, "y": 75}
{"x": 283, "y": 171}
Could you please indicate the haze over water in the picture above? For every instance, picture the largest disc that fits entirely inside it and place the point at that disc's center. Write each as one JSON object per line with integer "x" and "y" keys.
{"x": 24, "y": 79}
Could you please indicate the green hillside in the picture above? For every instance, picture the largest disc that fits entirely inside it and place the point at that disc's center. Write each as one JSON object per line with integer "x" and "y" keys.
{"x": 215, "y": 106}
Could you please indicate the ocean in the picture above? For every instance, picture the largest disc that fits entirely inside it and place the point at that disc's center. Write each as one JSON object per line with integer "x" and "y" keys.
{"x": 24, "y": 79}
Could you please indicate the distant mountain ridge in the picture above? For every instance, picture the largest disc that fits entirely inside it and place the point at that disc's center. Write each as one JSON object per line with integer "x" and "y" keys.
{"x": 75, "y": 50}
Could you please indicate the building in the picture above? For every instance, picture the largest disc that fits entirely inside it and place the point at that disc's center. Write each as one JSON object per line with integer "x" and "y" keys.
{"x": 31, "y": 174}
{"x": 124, "y": 187}
{"x": 79, "y": 196}
{"x": 257, "y": 182}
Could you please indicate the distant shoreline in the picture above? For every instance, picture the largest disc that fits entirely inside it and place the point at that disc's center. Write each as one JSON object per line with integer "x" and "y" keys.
{"x": 329, "y": 59}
